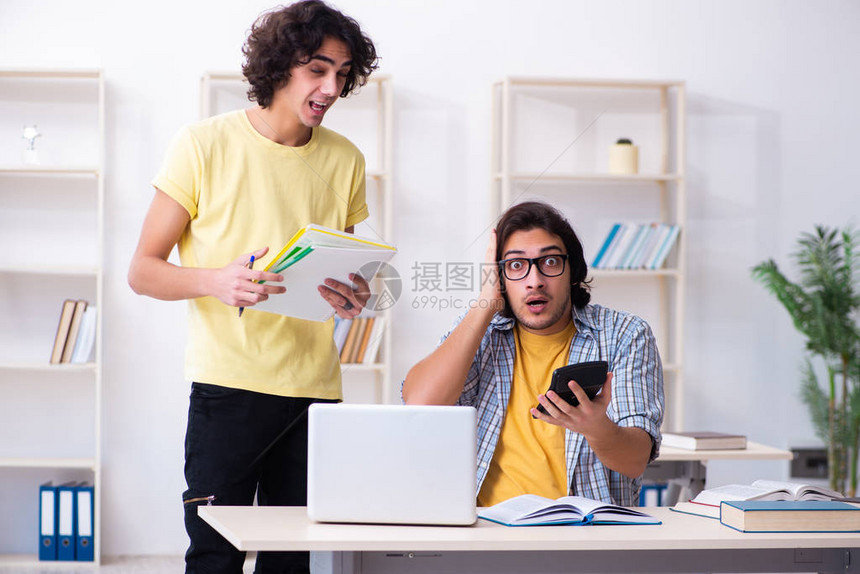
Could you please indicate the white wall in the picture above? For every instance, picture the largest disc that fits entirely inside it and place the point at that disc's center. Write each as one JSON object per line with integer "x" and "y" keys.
{"x": 772, "y": 125}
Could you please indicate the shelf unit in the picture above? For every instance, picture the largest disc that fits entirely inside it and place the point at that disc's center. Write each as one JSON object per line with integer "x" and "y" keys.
{"x": 551, "y": 140}
{"x": 366, "y": 118}
{"x": 51, "y": 229}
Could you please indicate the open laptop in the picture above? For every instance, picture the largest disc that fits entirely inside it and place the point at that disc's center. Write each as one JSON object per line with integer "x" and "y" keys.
{"x": 392, "y": 464}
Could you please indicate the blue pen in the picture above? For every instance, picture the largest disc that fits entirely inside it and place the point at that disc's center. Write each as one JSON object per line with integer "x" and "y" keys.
{"x": 250, "y": 266}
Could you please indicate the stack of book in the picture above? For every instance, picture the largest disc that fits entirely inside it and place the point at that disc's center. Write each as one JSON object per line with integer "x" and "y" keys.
{"x": 636, "y": 246}
{"x": 66, "y": 520}
{"x": 708, "y": 502}
{"x": 358, "y": 339}
{"x": 76, "y": 333}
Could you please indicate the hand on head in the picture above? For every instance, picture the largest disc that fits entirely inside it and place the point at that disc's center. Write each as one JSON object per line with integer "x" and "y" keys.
{"x": 491, "y": 287}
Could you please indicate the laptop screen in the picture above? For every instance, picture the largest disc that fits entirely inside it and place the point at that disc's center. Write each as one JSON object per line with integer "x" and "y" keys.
{"x": 392, "y": 464}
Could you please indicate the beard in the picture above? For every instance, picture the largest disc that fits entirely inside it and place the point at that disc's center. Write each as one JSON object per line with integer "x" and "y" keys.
{"x": 556, "y": 313}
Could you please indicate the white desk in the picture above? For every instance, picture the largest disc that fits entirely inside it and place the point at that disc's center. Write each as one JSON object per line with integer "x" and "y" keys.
{"x": 683, "y": 543}
{"x": 685, "y": 470}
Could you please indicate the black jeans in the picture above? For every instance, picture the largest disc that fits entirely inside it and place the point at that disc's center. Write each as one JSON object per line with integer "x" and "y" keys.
{"x": 227, "y": 431}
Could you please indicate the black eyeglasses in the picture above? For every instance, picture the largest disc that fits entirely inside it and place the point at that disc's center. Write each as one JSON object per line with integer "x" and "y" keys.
{"x": 518, "y": 268}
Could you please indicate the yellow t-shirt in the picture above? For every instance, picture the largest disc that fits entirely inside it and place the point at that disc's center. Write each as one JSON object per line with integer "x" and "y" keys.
{"x": 243, "y": 192}
{"x": 529, "y": 457}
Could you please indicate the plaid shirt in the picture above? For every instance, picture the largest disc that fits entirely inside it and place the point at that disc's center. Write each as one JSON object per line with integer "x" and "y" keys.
{"x": 626, "y": 343}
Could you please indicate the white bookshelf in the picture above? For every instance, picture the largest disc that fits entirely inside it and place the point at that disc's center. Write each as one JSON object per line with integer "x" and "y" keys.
{"x": 51, "y": 229}
{"x": 551, "y": 140}
{"x": 366, "y": 118}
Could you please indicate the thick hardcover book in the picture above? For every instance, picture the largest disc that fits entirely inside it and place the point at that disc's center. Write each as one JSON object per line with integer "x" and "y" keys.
{"x": 704, "y": 440}
{"x": 790, "y": 516}
{"x": 533, "y": 510}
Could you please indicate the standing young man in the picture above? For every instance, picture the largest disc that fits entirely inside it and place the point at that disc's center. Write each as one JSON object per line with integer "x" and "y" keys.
{"x": 501, "y": 363}
{"x": 231, "y": 187}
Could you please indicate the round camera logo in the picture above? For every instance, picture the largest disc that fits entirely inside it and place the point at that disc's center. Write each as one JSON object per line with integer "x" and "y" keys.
{"x": 385, "y": 285}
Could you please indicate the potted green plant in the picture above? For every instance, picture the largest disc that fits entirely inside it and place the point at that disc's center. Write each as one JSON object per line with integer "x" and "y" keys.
{"x": 824, "y": 306}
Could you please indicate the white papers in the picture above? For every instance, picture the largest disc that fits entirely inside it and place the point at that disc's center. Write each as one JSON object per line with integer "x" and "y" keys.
{"x": 302, "y": 299}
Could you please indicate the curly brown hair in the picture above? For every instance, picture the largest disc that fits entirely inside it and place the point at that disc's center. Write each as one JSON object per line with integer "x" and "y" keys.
{"x": 286, "y": 37}
{"x": 539, "y": 215}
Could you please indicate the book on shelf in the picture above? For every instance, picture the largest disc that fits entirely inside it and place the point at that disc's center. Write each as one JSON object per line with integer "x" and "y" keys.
{"x": 314, "y": 254}
{"x": 665, "y": 248}
{"x": 768, "y": 490}
{"x": 341, "y": 330}
{"x": 620, "y": 246}
{"x": 84, "y": 348}
{"x": 66, "y": 313}
{"x": 660, "y": 234}
{"x": 611, "y": 245}
{"x": 74, "y": 330}
{"x": 360, "y": 326}
{"x": 704, "y": 440}
{"x": 370, "y": 354}
{"x": 636, "y": 246}
{"x": 360, "y": 342}
{"x": 533, "y": 510}
{"x": 365, "y": 338}
{"x": 346, "y": 352}
{"x": 790, "y": 516}
{"x": 651, "y": 236}
{"x": 74, "y": 340}
{"x": 610, "y": 237}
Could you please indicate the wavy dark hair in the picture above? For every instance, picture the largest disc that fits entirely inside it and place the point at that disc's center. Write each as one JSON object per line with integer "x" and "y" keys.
{"x": 538, "y": 215}
{"x": 286, "y": 37}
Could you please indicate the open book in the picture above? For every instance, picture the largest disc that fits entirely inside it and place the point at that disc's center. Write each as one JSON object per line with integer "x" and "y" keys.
{"x": 314, "y": 254}
{"x": 533, "y": 510}
{"x": 765, "y": 490}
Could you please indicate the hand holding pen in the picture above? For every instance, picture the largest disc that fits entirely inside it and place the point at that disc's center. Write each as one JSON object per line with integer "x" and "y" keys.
{"x": 238, "y": 284}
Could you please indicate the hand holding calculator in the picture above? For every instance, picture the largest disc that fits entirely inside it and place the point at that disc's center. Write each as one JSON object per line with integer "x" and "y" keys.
{"x": 590, "y": 376}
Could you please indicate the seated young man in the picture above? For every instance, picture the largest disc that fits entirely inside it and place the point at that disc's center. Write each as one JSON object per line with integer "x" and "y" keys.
{"x": 500, "y": 356}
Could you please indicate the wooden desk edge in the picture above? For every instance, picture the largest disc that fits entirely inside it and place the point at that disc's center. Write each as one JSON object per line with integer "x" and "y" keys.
{"x": 288, "y": 528}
